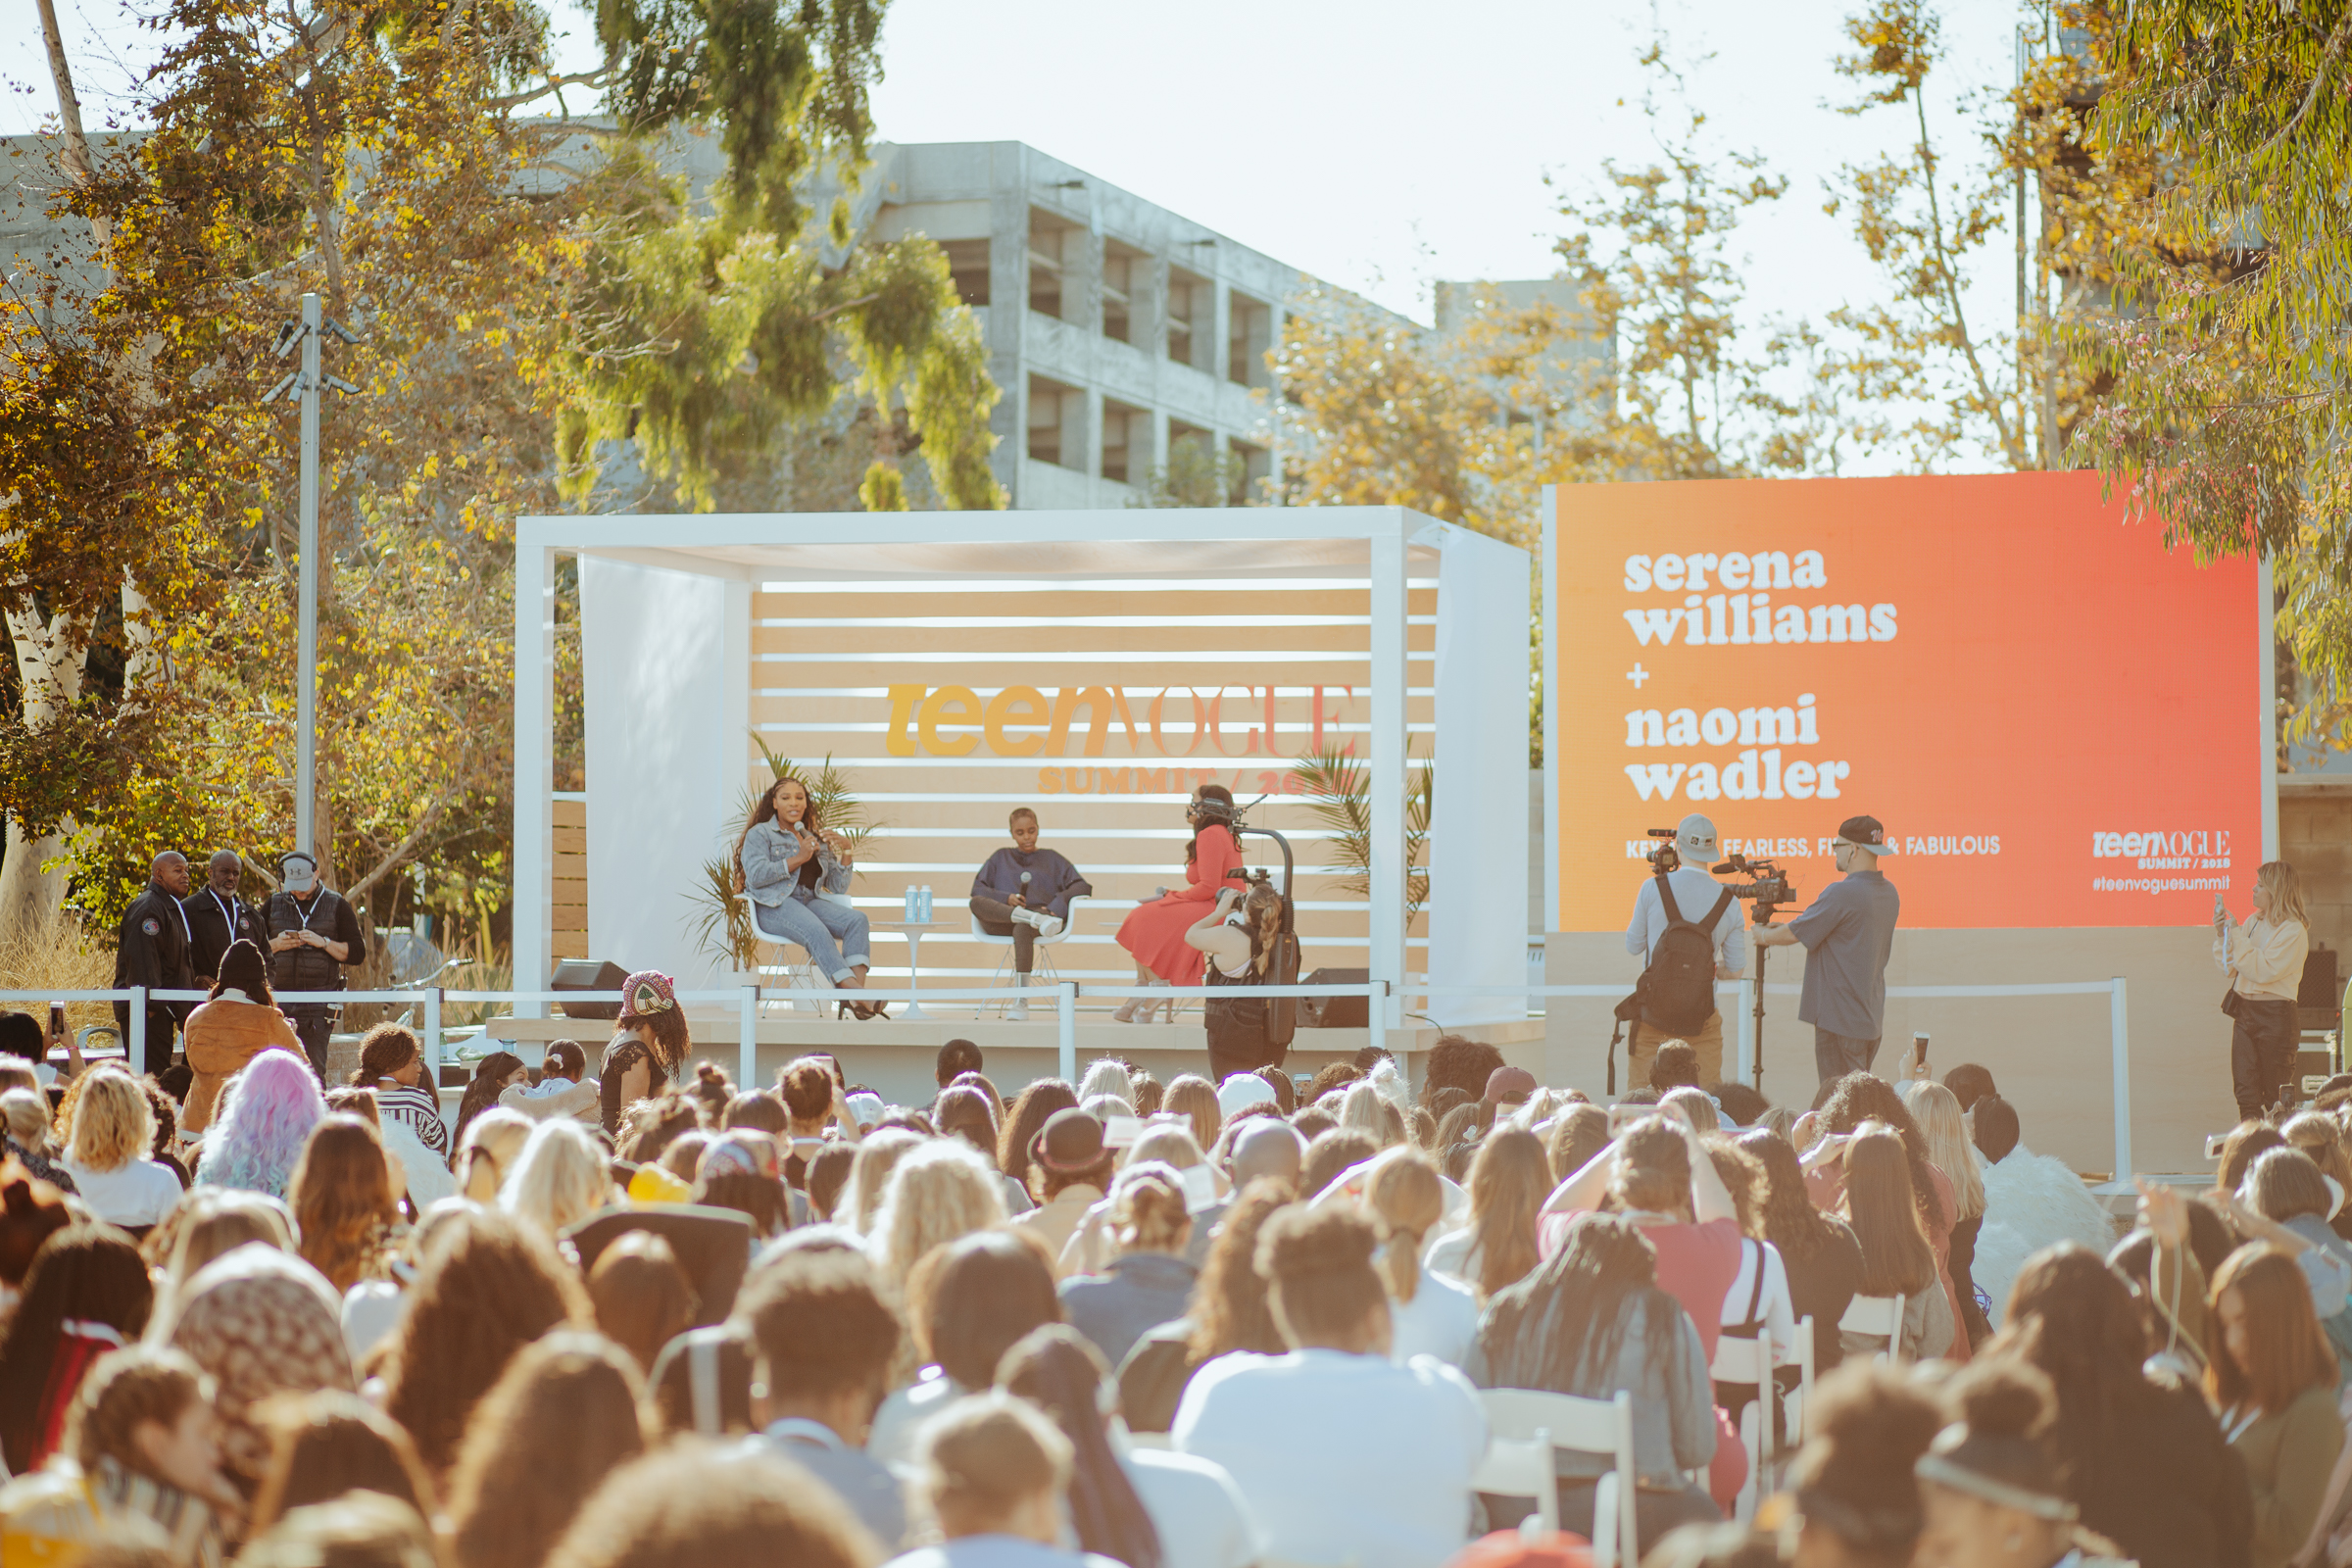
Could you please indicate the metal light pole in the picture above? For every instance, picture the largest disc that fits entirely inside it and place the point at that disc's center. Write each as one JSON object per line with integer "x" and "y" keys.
{"x": 306, "y": 624}
{"x": 309, "y": 381}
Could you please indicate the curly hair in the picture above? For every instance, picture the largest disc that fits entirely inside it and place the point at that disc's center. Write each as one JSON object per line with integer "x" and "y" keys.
{"x": 266, "y": 1113}
{"x": 1229, "y": 1310}
{"x": 1456, "y": 1062}
{"x": 386, "y": 1049}
{"x": 490, "y": 1286}
{"x": 562, "y": 1418}
{"x": 937, "y": 1192}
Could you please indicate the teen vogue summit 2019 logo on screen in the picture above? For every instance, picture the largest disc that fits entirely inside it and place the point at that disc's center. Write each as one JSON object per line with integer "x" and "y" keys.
{"x": 2181, "y": 850}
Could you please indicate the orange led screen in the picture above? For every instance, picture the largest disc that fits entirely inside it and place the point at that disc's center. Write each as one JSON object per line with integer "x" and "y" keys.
{"x": 2057, "y": 720}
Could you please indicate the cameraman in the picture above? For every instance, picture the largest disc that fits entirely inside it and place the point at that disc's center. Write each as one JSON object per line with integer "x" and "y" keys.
{"x": 1848, "y": 932}
{"x": 1696, "y": 894}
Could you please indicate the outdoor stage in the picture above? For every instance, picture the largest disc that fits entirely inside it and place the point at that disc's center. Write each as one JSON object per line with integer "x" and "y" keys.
{"x": 897, "y": 1058}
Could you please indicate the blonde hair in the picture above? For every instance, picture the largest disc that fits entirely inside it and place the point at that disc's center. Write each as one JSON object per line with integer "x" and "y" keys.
{"x": 2317, "y": 1135}
{"x": 1108, "y": 1075}
{"x": 27, "y": 1114}
{"x": 2285, "y": 888}
{"x": 878, "y": 1155}
{"x": 113, "y": 1123}
{"x": 492, "y": 1144}
{"x": 558, "y": 1180}
{"x": 1406, "y": 1200}
{"x": 939, "y": 1193}
{"x": 1170, "y": 1146}
{"x": 1364, "y": 1109}
{"x": 1937, "y": 1109}
{"x": 1148, "y": 1209}
{"x": 1698, "y": 1105}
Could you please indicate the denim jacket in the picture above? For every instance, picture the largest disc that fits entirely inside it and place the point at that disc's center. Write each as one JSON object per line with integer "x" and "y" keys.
{"x": 768, "y": 880}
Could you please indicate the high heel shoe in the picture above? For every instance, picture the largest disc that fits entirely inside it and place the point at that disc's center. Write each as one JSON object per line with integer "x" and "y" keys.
{"x": 1167, "y": 1009}
{"x": 1127, "y": 1010}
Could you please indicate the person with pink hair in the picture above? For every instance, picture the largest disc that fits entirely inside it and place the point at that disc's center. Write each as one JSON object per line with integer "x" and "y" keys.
{"x": 266, "y": 1113}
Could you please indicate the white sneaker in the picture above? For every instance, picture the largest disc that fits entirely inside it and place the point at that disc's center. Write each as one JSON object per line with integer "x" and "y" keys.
{"x": 1047, "y": 926}
{"x": 1019, "y": 1009}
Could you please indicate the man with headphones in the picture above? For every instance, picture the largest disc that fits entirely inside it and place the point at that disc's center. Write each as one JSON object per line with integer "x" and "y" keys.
{"x": 314, "y": 936}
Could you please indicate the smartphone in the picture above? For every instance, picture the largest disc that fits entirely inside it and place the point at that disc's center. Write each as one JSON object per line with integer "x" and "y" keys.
{"x": 1919, "y": 1049}
{"x": 57, "y": 1023}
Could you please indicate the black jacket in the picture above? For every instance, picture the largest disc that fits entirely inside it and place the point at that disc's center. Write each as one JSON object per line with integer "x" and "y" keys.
{"x": 215, "y": 933}
{"x": 314, "y": 968}
{"x": 151, "y": 948}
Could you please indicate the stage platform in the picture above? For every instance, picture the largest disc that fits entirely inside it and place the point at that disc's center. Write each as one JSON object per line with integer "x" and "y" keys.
{"x": 897, "y": 1057}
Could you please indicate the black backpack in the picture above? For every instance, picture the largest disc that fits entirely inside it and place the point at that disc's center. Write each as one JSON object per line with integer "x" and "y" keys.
{"x": 1676, "y": 991}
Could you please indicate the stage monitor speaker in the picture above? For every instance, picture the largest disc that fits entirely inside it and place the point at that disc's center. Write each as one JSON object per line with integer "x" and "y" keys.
{"x": 1335, "y": 1012}
{"x": 588, "y": 974}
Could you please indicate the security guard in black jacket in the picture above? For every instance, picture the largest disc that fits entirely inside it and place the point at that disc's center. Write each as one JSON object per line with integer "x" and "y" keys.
{"x": 313, "y": 936}
{"x": 152, "y": 950}
{"x": 217, "y": 920}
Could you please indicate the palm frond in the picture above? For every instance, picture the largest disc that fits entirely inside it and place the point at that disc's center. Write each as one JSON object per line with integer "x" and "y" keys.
{"x": 721, "y": 918}
{"x": 1337, "y": 793}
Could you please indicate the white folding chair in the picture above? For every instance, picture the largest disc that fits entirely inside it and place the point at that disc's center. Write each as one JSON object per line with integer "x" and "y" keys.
{"x": 1581, "y": 1426}
{"x": 1747, "y": 1363}
{"x": 1800, "y": 1398}
{"x": 1879, "y": 1315}
{"x": 1044, "y": 957}
{"x": 802, "y": 976}
{"x": 1512, "y": 1468}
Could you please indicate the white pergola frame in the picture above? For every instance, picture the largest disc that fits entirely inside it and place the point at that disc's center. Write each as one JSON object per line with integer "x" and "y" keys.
{"x": 666, "y": 540}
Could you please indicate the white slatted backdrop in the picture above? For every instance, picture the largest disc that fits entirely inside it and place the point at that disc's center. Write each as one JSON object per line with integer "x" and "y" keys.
{"x": 1098, "y": 702}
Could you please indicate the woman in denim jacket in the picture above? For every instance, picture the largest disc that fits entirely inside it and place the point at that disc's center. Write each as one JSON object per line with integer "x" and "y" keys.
{"x": 784, "y": 856}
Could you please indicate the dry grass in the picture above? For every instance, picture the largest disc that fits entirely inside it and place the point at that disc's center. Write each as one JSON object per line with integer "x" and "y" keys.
{"x": 60, "y": 956}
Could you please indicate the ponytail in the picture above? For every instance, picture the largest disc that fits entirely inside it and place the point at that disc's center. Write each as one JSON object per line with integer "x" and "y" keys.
{"x": 1263, "y": 909}
{"x": 1406, "y": 1200}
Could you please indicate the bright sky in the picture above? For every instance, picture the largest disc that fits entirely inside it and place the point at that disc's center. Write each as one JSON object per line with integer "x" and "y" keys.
{"x": 1351, "y": 139}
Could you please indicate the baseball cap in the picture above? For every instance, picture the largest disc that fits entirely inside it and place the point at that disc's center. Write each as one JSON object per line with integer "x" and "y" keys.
{"x": 1070, "y": 1141}
{"x": 866, "y": 1107}
{"x": 1865, "y": 833}
{"x": 1509, "y": 1081}
{"x": 1242, "y": 1090}
{"x": 297, "y": 871}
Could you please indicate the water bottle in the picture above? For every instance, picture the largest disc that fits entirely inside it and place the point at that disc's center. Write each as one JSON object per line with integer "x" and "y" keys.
{"x": 909, "y": 916}
{"x": 925, "y": 905}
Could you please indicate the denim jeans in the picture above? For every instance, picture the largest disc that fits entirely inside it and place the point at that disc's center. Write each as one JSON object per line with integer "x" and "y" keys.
{"x": 814, "y": 923}
{"x": 1835, "y": 1055}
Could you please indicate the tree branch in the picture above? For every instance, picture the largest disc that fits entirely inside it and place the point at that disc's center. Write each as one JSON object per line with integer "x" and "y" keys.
{"x": 2328, "y": 57}
{"x": 577, "y": 78}
{"x": 400, "y": 850}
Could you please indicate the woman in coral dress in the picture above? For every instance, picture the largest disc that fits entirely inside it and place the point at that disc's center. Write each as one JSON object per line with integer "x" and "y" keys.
{"x": 1154, "y": 932}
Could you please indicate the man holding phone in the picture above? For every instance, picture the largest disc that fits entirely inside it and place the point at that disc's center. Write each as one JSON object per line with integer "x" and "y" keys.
{"x": 314, "y": 936}
{"x": 1848, "y": 933}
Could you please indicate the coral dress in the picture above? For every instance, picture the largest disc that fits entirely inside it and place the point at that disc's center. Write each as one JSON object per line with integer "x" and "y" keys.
{"x": 1154, "y": 932}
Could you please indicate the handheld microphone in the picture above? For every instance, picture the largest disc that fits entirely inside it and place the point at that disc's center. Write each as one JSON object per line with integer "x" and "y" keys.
{"x": 1024, "y": 881}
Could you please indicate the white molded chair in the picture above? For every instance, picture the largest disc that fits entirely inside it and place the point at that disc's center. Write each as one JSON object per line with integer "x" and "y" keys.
{"x": 1800, "y": 1400}
{"x": 803, "y": 976}
{"x": 1512, "y": 1468}
{"x": 1881, "y": 1315}
{"x": 1747, "y": 1363}
{"x": 1582, "y": 1426}
{"x": 1044, "y": 957}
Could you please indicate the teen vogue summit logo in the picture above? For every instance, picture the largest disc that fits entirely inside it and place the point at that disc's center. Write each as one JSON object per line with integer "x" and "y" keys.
{"x": 2181, "y": 850}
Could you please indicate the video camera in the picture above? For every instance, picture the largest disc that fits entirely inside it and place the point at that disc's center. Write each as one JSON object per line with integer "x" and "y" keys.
{"x": 1768, "y": 892}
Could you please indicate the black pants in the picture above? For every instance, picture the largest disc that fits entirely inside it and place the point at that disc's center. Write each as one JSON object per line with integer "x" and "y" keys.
{"x": 161, "y": 1022}
{"x": 314, "y": 1022}
{"x": 1962, "y": 1268}
{"x": 996, "y": 918}
{"x": 2262, "y": 1054}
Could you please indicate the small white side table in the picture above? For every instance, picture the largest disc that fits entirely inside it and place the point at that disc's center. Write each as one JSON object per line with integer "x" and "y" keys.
{"x": 913, "y": 931}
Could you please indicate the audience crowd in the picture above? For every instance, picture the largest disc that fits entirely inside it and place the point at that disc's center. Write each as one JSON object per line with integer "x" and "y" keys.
{"x": 644, "y": 1315}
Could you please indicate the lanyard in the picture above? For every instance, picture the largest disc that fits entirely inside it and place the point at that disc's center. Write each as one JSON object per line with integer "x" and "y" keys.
{"x": 228, "y": 918}
{"x": 318, "y": 900}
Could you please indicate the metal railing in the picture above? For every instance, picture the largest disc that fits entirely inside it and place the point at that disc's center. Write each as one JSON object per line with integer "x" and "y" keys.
{"x": 746, "y": 1000}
